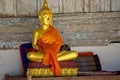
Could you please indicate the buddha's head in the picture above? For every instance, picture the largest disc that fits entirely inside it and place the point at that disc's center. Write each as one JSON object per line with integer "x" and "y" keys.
{"x": 45, "y": 14}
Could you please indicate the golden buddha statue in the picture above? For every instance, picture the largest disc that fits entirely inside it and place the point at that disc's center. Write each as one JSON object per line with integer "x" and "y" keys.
{"x": 47, "y": 42}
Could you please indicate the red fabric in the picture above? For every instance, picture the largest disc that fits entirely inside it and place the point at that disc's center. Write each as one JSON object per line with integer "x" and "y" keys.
{"x": 50, "y": 43}
{"x": 28, "y": 50}
{"x": 22, "y": 59}
{"x": 64, "y": 64}
{"x": 83, "y": 54}
{"x": 24, "y": 48}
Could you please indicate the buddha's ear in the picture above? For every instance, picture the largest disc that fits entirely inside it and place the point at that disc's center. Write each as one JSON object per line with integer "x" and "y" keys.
{"x": 39, "y": 17}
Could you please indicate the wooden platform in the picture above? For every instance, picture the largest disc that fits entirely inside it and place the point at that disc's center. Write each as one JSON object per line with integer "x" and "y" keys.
{"x": 106, "y": 77}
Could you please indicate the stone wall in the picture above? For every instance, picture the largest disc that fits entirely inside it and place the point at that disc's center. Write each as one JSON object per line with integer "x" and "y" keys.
{"x": 76, "y": 29}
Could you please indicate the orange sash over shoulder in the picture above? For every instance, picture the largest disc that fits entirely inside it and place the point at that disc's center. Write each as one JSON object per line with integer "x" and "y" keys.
{"x": 50, "y": 43}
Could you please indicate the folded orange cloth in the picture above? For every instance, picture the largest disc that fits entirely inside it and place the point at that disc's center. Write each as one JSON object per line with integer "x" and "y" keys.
{"x": 50, "y": 43}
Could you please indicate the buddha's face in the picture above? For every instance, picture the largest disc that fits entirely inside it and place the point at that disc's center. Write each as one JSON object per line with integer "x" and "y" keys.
{"x": 46, "y": 19}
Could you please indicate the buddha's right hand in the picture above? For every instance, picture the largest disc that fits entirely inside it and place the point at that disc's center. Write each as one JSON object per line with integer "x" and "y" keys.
{"x": 35, "y": 47}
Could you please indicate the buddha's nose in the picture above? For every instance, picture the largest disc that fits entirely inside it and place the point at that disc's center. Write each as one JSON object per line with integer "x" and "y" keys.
{"x": 47, "y": 18}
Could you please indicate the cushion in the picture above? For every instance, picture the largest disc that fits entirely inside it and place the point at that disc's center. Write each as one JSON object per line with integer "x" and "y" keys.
{"x": 27, "y": 47}
{"x": 24, "y": 48}
{"x": 88, "y": 63}
{"x": 63, "y": 64}
{"x": 83, "y": 54}
{"x": 97, "y": 63}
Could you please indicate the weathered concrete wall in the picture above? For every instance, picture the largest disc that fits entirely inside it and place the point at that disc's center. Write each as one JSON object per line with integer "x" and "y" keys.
{"x": 30, "y": 8}
{"x": 77, "y": 29}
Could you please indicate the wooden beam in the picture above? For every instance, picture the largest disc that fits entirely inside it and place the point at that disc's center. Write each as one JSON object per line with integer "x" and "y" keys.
{"x": 105, "y": 5}
{"x": 79, "y": 5}
{"x": 26, "y": 8}
{"x": 115, "y": 5}
{"x": 7, "y": 8}
{"x": 87, "y": 6}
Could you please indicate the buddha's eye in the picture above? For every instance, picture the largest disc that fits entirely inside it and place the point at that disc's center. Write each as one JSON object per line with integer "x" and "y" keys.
{"x": 45, "y": 16}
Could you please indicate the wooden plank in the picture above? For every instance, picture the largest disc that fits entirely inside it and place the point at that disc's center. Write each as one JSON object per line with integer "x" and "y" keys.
{"x": 101, "y": 77}
{"x": 102, "y": 5}
{"x": 26, "y": 8}
{"x": 79, "y": 5}
{"x": 92, "y": 6}
{"x": 39, "y": 5}
{"x": 98, "y": 6}
{"x": 60, "y": 6}
{"x": 68, "y": 6}
{"x": 95, "y": 6}
{"x": 54, "y": 5}
{"x": 105, "y": 5}
{"x": 86, "y": 5}
{"x": 115, "y": 5}
{"x": 7, "y": 7}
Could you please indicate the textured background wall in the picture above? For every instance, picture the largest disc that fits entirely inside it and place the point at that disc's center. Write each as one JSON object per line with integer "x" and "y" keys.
{"x": 84, "y": 24}
{"x": 80, "y": 22}
{"x": 30, "y": 8}
{"x": 78, "y": 29}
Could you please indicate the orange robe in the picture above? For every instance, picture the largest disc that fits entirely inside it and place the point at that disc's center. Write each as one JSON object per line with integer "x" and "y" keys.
{"x": 50, "y": 43}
